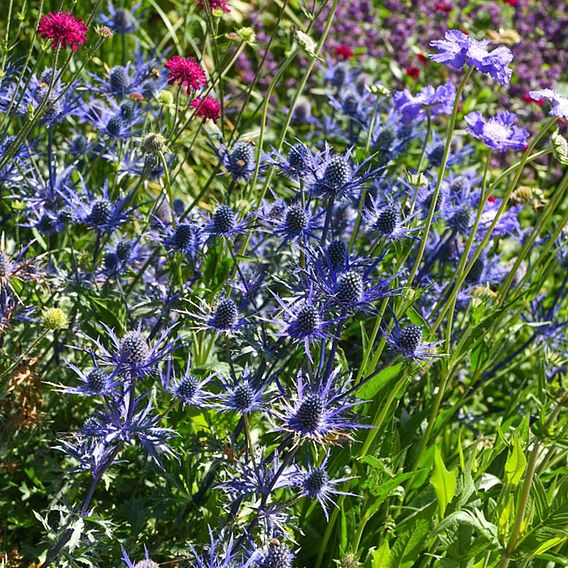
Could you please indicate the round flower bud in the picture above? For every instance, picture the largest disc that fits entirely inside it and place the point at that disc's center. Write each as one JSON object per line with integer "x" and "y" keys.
{"x": 104, "y": 31}
{"x": 165, "y": 98}
{"x": 55, "y": 318}
{"x": 153, "y": 143}
{"x": 248, "y": 35}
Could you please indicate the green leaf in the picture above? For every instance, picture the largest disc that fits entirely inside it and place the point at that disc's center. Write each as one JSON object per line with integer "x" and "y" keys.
{"x": 444, "y": 482}
{"x": 381, "y": 558}
{"x": 516, "y": 462}
{"x": 475, "y": 519}
{"x": 372, "y": 387}
{"x": 560, "y": 146}
{"x": 409, "y": 544}
{"x": 343, "y": 539}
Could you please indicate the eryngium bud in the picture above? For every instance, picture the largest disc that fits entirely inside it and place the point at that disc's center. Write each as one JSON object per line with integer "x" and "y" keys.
{"x": 410, "y": 338}
{"x": 349, "y": 287}
{"x": 134, "y": 348}
{"x": 226, "y": 314}
{"x": 336, "y": 173}
{"x": 310, "y": 412}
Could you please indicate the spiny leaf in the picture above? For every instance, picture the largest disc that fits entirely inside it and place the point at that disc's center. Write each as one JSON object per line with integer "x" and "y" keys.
{"x": 444, "y": 482}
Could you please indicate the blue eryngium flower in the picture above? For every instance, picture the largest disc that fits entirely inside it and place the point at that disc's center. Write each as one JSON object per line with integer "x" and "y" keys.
{"x": 120, "y": 20}
{"x": 351, "y": 289}
{"x": 225, "y": 223}
{"x": 98, "y": 211}
{"x": 146, "y": 563}
{"x": 276, "y": 555}
{"x": 407, "y": 341}
{"x": 316, "y": 484}
{"x": 319, "y": 411}
{"x": 497, "y": 132}
{"x": 295, "y": 223}
{"x": 131, "y": 355}
{"x": 299, "y": 163}
{"x": 385, "y": 220}
{"x": 303, "y": 320}
{"x": 458, "y": 49}
{"x": 95, "y": 382}
{"x": 223, "y": 317}
{"x": 244, "y": 394}
{"x": 240, "y": 161}
{"x": 338, "y": 177}
{"x": 185, "y": 238}
{"x": 124, "y": 254}
{"x": 187, "y": 388}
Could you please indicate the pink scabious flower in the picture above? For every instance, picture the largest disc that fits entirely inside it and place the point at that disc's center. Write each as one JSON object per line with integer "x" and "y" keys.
{"x": 185, "y": 71}
{"x": 208, "y": 108}
{"x": 343, "y": 52}
{"x": 216, "y": 4}
{"x": 64, "y": 29}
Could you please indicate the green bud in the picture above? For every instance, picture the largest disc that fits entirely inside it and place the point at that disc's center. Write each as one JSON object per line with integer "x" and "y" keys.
{"x": 55, "y": 318}
{"x": 165, "y": 98}
{"x": 248, "y": 35}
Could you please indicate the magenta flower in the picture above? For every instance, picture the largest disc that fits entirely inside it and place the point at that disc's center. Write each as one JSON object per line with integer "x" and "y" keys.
{"x": 215, "y": 4}
{"x": 209, "y": 108}
{"x": 497, "y": 132}
{"x": 64, "y": 29}
{"x": 185, "y": 71}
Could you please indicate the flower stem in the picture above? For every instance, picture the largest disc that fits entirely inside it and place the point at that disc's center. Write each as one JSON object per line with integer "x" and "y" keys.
{"x": 442, "y": 171}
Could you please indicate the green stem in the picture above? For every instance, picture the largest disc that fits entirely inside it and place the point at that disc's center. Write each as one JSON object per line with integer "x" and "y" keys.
{"x": 442, "y": 171}
{"x": 482, "y": 245}
{"x": 377, "y": 423}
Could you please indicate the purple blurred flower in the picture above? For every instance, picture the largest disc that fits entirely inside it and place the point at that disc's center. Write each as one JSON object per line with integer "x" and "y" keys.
{"x": 438, "y": 100}
{"x": 559, "y": 103}
{"x": 497, "y": 132}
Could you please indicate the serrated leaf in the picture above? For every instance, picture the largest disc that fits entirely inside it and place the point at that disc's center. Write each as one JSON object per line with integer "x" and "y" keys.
{"x": 381, "y": 558}
{"x": 76, "y": 534}
{"x": 444, "y": 482}
{"x": 516, "y": 462}
{"x": 409, "y": 544}
{"x": 475, "y": 519}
